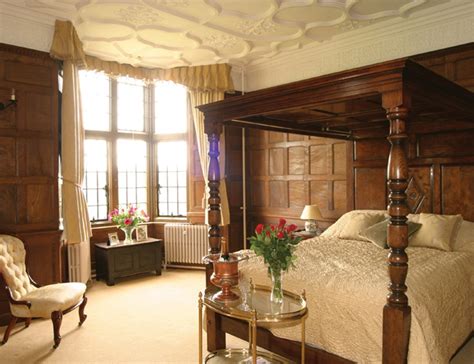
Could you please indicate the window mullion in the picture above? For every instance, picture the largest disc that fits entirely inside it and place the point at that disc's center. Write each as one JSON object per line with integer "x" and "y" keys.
{"x": 152, "y": 165}
{"x": 113, "y": 190}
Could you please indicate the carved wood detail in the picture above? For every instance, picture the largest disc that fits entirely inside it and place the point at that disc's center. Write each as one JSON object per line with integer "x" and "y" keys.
{"x": 397, "y": 312}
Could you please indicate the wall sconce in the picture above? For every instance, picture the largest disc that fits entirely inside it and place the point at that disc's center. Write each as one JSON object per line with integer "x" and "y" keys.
{"x": 311, "y": 214}
{"x": 11, "y": 102}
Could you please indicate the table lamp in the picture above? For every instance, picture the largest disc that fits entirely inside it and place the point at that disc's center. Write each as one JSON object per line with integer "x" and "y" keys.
{"x": 311, "y": 214}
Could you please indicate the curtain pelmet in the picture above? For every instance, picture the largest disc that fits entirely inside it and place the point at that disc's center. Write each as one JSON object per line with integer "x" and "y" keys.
{"x": 67, "y": 46}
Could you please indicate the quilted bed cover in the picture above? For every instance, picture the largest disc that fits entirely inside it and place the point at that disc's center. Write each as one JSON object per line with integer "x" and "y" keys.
{"x": 346, "y": 287}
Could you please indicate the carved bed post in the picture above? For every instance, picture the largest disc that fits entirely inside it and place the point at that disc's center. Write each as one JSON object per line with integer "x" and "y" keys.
{"x": 397, "y": 312}
{"x": 215, "y": 336}
{"x": 214, "y": 209}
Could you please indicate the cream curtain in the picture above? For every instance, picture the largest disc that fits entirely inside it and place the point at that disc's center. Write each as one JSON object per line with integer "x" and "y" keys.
{"x": 200, "y": 98}
{"x": 205, "y": 84}
{"x": 77, "y": 228}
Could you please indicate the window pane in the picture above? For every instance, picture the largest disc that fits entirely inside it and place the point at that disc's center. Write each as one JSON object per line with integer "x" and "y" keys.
{"x": 95, "y": 178}
{"x": 130, "y": 104}
{"x": 171, "y": 108}
{"x": 141, "y": 179}
{"x": 172, "y": 167}
{"x": 95, "y": 100}
{"x": 131, "y": 161}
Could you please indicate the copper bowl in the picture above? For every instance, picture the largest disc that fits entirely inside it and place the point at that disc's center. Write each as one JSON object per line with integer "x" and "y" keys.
{"x": 225, "y": 275}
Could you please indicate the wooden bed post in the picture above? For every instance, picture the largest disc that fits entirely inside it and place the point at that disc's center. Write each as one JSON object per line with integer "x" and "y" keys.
{"x": 214, "y": 175}
{"x": 215, "y": 336}
{"x": 397, "y": 312}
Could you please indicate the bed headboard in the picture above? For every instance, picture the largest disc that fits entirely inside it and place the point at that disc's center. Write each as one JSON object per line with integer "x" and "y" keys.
{"x": 441, "y": 174}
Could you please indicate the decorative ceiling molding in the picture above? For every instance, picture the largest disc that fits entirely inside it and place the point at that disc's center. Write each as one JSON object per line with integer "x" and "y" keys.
{"x": 445, "y": 25}
{"x": 432, "y": 29}
{"x": 172, "y": 33}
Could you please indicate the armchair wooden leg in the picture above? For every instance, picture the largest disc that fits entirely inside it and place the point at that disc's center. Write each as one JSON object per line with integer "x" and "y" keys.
{"x": 82, "y": 316}
{"x": 27, "y": 322}
{"x": 10, "y": 327}
{"x": 57, "y": 318}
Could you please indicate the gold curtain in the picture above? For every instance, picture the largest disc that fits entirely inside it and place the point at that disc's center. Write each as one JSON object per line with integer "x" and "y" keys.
{"x": 205, "y": 84}
{"x": 200, "y": 98}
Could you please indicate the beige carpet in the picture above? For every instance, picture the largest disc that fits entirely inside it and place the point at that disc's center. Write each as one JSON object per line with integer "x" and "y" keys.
{"x": 146, "y": 319}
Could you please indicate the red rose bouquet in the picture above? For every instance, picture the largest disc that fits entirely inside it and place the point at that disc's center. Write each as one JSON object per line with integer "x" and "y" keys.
{"x": 276, "y": 244}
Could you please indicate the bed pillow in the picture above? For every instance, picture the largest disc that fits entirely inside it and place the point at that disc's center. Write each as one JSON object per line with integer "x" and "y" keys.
{"x": 377, "y": 233}
{"x": 336, "y": 228}
{"x": 465, "y": 239}
{"x": 437, "y": 231}
{"x": 358, "y": 223}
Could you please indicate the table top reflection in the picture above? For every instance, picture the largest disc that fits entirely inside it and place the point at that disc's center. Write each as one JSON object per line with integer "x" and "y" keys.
{"x": 255, "y": 301}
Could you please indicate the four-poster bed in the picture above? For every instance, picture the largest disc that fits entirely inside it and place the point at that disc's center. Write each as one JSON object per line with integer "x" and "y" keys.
{"x": 343, "y": 106}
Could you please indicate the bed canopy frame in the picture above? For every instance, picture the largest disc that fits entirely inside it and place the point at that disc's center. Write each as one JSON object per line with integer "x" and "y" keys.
{"x": 346, "y": 105}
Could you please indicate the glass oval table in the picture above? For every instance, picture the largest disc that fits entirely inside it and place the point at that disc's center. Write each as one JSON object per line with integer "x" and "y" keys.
{"x": 254, "y": 306}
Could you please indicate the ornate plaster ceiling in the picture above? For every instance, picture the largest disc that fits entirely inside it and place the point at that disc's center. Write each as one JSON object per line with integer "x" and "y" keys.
{"x": 172, "y": 33}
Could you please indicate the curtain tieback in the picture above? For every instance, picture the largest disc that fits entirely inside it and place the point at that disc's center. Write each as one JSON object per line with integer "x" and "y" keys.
{"x": 71, "y": 182}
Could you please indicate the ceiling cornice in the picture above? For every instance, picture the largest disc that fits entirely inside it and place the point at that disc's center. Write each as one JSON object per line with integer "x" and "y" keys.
{"x": 435, "y": 28}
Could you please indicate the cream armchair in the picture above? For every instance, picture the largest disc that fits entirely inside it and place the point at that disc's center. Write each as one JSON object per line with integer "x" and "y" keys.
{"x": 28, "y": 300}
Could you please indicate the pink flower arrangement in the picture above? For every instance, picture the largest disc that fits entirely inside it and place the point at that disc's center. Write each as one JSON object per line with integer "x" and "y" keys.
{"x": 128, "y": 217}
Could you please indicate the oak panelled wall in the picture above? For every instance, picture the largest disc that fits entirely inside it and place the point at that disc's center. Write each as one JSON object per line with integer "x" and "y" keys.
{"x": 29, "y": 136}
{"x": 287, "y": 171}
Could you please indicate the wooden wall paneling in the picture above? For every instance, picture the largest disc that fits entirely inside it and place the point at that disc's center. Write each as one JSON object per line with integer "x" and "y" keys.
{"x": 455, "y": 144}
{"x": 7, "y": 116}
{"x": 7, "y": 156}
{"x": 233, "y": 175}
{"x": 29, "y": 158}
{"x": 457, "y": 192}
{"x": 196, "y": 186}
{"x": 301, "y": 170}
{"x": 278, "y": 162}
{"x": 278, "y": 194}
{"x": 367, "y": 195}
{"x": 8, "y": 211}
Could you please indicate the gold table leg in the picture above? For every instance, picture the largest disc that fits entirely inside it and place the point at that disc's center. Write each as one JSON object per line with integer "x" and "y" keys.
{"x": 303, "y": 338}
{"x": 254, "y": 337}
{"x": 200, "y": 327}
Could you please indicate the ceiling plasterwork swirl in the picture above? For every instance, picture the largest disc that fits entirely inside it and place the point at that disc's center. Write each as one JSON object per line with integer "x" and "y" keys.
{"x": 171, "y": 33}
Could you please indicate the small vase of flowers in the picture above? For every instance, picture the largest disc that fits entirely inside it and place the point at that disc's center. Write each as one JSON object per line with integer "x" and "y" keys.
{"x": 276, "y": 244}
{"x": 127, "y": 220}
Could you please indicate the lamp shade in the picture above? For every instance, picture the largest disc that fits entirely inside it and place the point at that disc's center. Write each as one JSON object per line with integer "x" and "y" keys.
{"x": 311, "y": 212}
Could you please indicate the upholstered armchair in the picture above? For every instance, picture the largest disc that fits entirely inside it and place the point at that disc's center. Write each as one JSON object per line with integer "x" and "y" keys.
{"x": 27, "y": 299}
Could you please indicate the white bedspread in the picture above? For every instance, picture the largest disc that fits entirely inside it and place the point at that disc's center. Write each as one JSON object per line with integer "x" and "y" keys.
{"x": 346, "y": 287}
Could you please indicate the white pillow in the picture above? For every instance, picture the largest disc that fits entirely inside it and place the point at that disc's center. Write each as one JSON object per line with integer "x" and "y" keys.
{"x": 465, "y": 239}
{"x": 340, "y": 225}
{"x": 437, "y": 231}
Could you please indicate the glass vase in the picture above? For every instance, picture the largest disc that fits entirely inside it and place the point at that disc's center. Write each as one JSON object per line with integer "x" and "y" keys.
{"x": 276, "y": 295}
{"x": 128, "y": 230}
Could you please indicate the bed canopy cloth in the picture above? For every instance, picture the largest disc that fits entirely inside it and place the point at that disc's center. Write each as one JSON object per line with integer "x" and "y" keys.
{"x": 348, "y": 105}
